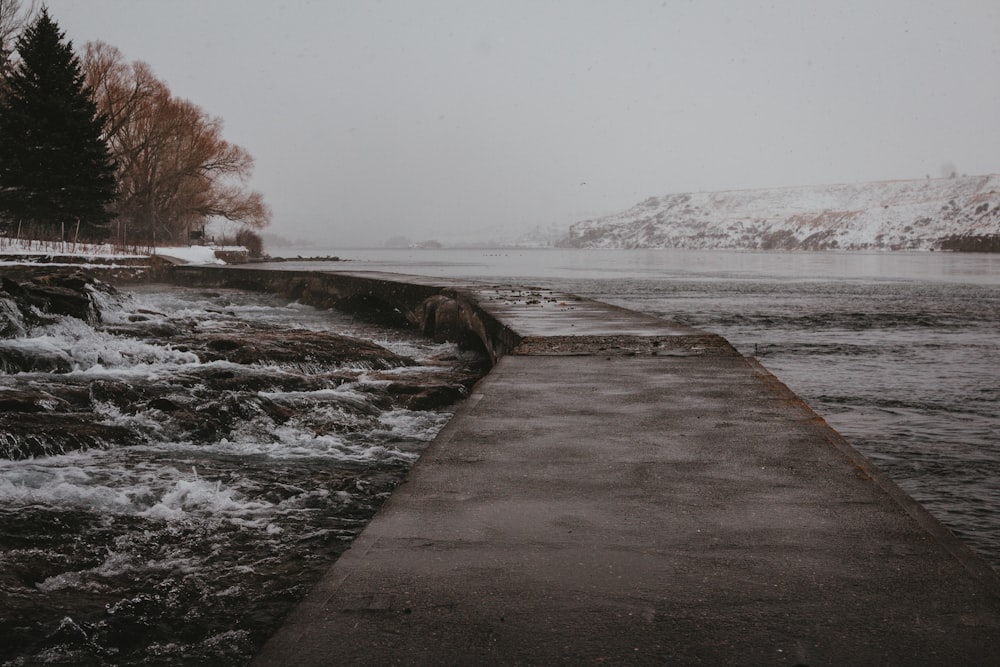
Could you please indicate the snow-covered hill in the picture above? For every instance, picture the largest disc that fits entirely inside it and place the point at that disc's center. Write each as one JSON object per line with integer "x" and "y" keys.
{"x": 962, "y": 212}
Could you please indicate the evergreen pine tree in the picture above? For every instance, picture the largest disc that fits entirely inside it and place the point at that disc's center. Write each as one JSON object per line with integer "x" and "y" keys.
{"x": 56, "y": 173}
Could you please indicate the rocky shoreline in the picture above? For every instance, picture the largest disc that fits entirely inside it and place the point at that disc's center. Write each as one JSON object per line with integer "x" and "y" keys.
{"x": 179, "y": 464}
{"x": 41, "y": 418}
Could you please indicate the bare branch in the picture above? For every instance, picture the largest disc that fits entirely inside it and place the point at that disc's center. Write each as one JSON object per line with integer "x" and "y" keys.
{"x": 175, "y": 169}
{"x": 14, "y": 16}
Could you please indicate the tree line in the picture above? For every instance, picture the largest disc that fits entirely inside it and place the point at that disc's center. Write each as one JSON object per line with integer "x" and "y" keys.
{"x": 94, "y": 147}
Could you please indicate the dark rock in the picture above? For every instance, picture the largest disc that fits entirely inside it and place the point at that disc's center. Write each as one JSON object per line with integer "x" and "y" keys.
{"x": 259, "y": 378}
{"x": 224, "y": 345}
{"x": 28, "y": 400}
{"x": 217, "y": 416}
{"x": 17, "y": 359}
{"x": 278, "y": 413}
{"x": 126, "y": 396}
{"x": 54, "y": 393}
{"x": 76, "y": 281}
{"x": 163, "y": 405}
{"x": 370, "y": 308}
{"x": 61, "y": 301}
{"x": 299, "y": 347}
{"x": 251, "y": 374}
{"x": 423, "y": 396}
{"x": 12, "y": 323}
{"x": 144, "y": 329}
{"x": 12, "y": 288}
{"x": 58, "y": 293}
{"x": 28, "y": 435}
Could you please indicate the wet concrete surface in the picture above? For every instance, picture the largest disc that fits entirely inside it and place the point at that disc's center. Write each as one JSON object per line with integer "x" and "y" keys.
{"x": 621, "y": 490}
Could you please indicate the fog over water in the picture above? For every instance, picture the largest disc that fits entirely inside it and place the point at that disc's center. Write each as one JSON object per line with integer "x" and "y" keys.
{"x": 458, "y": 120}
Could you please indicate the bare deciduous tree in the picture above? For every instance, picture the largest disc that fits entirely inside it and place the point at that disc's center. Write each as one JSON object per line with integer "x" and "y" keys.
{"x": 175, "y": 170}
{"x": 14, "y": 16}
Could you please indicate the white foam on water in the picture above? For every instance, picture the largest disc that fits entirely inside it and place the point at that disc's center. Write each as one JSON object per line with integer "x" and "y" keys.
{"x": 294, "y": 442}
{"x": 115, "y": 563}
{"x": 207, "y": 307}
{"x": 201, "y": 497}
{"x": 416, "y": 348}
{"x": 84, "y": 348}
{"x": 398, "y": 370}
{"x": 341, "y": 423}
{"x": 343, "y": 393}
{"x": 106, "y": 301}
{"x": 394, "y": 436}
{"x": 48, "y": 347}
{"x": 65, "y": 482}
{"x": 294, "y": 468}
{"x": 12, "y": 315}
{"x": 100, "y": 482}
{"x": 419, "y": 425}
{"x": 143, "y": 421}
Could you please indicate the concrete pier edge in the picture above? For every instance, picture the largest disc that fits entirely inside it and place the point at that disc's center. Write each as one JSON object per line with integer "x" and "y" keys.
{"x": 625, "y": 490}
{"x": 970, "y": 560}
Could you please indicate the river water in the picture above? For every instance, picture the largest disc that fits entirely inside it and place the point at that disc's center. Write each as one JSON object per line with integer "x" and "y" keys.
{"x": 212, "y": 491}
{"x": 187, "y": 548}
{"x": 899, "y": 352}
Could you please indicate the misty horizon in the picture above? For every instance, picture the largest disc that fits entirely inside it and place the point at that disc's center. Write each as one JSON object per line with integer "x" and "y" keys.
{"x": 449, "y": 120}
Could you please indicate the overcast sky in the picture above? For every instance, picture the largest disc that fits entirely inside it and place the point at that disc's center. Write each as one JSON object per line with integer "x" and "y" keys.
{"x": 442, "y": 119}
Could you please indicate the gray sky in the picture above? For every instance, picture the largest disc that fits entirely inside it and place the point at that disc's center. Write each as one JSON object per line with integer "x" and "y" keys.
{"x": 450, "y": 119}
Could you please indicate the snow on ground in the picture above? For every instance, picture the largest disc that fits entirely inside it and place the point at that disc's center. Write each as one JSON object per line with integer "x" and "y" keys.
{"x": 889, "y": 215}
{"x": 22, "y": 247}
{"x": 195, "y": 254}
{"x": 15, "y": 251}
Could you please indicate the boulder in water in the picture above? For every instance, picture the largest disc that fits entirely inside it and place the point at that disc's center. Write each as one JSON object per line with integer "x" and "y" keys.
{"x": 26, "y": 435}
{"x": 305, "y": 349}
{"x": 58, "y": 293}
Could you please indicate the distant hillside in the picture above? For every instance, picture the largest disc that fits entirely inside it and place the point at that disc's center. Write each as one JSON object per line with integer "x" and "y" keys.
{"x": 958, "y": 213}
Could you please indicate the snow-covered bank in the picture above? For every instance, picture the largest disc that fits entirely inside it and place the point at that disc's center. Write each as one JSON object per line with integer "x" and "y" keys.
{"x": 927, "y": 214}
{"x": 20, "y": 251}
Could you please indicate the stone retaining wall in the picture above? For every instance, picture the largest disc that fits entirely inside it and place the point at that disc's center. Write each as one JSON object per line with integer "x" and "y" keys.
{"x": 443, "y": 312}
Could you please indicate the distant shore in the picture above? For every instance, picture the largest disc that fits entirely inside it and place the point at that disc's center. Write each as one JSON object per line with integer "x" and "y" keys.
{"x": 300, "y": 258}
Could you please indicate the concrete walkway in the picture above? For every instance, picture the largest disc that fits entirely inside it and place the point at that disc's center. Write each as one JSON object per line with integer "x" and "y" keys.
{"x": 620, "y": 490}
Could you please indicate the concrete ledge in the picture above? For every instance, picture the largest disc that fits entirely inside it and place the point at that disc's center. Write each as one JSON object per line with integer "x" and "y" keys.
{"x": 497, "y": 319}
{"x": 623, "y": 490}
{"x": 436, "y": 307}
{"x": 628, "y": 346}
